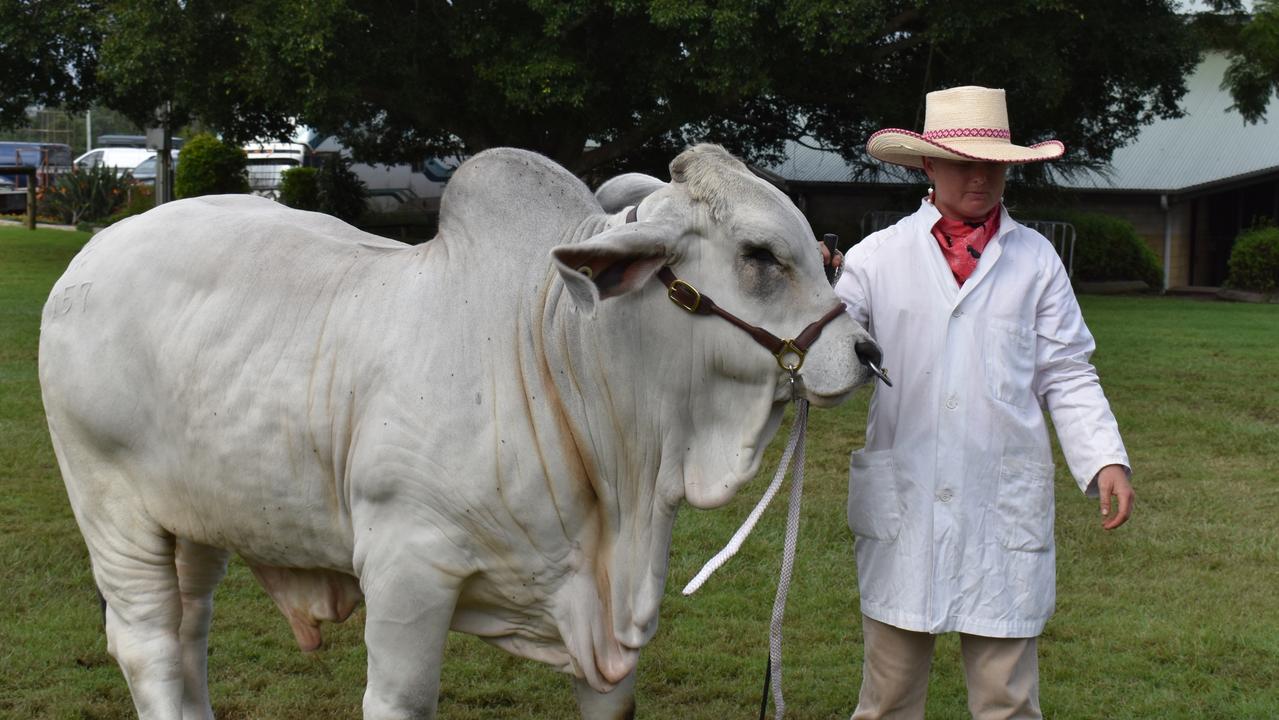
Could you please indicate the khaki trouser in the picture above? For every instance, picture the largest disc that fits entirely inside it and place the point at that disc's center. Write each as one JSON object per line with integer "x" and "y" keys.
{"x": 1002, "y": 675}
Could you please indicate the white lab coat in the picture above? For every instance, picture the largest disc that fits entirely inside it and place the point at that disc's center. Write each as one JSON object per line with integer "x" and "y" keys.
{"x": 951, "y": 500}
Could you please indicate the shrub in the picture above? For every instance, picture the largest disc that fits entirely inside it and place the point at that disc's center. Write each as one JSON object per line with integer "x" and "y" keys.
{"x": 299, "y": 188}
{"x": 141, "y": 199}
{"x": 208, "y": 166}
{"x": 1107, "y": 248}
{"x": 84, "y": 195}
{"x": 1254, "y": 260}
{"x": 340, "y": 192}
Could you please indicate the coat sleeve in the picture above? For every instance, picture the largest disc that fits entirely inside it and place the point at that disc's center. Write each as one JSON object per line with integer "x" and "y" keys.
{"x": 853, "y": 285}
{"x": 1067, "y": 384}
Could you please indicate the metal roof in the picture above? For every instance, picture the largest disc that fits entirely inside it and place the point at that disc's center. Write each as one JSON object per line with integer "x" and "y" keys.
{"x": 806, "y": 163}
{"x": 1207, "y": 146}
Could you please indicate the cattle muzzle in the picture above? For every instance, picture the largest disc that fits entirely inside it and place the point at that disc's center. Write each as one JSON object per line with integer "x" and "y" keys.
{"x": 789, "y": 353}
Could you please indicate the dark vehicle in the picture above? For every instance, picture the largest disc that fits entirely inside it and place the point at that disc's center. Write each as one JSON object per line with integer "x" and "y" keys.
{"x": 145, "y": 171}
{"x": 11, "y": 201}
{"x": 49, "y": 160}
{"x": 130, "y": 141}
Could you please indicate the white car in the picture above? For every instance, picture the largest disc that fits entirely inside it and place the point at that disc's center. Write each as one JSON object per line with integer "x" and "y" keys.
{"x": 123, "y": 159}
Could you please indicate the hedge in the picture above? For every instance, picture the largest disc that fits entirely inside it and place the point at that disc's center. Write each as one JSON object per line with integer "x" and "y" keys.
{"x": 299, "y": 189}
{"x": 208, "y": 166}
{"x": 1107, "y": 249}
{"x": 1254, "y": 260}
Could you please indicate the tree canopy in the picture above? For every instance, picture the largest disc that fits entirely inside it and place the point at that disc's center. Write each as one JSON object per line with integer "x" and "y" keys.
{"x": 173, "y": 62}
{"x": 605, "y": 85}
{"x": 1253, "y": 74}
{"x": 47, "y": 50}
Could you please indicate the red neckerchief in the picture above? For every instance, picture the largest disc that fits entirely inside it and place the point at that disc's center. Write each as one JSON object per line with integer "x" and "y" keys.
{"x": 962, "y": 243}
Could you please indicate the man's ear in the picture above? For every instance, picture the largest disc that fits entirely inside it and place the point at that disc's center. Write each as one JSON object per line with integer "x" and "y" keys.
{"x": 612, "y": 263}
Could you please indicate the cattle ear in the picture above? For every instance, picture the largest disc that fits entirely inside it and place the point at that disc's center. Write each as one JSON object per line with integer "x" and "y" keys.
{"x": 612, "y": 263}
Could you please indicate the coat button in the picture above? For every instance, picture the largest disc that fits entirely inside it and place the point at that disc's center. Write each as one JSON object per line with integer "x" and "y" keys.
{"x": 957, "y": 313}
{"x": 945, "y": 496}
{"x": 952, "y": 402}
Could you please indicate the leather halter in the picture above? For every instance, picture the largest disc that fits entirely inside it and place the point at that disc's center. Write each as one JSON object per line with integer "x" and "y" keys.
{"x": 687, "y": 297}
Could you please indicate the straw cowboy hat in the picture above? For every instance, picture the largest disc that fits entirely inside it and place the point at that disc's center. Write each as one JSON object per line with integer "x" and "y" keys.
{"x": 964, "y": 123}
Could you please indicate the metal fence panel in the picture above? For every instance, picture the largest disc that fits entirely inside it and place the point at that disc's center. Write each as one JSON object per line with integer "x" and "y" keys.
{"x": 1061, "y": 234}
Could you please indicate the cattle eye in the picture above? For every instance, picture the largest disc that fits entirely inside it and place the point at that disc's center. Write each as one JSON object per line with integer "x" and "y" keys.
{"x": 761, "y": 255}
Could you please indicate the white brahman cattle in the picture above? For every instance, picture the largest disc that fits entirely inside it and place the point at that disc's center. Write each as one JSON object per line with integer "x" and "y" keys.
{"x": 489, "y": 433}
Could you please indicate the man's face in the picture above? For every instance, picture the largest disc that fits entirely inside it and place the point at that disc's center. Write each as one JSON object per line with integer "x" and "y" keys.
{"x": 965, "y": 190}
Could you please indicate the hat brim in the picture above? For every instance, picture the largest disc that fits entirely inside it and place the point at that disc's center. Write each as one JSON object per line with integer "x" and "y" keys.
{"x": 903, "y": 147}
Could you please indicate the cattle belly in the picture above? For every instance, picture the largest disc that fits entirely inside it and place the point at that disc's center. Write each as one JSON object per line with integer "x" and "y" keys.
{"x": 309, "y": 596}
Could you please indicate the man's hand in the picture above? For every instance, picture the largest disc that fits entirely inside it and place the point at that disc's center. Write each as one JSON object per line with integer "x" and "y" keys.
{"x": 1112, "y": 481}
{"x": 836, "y": 261}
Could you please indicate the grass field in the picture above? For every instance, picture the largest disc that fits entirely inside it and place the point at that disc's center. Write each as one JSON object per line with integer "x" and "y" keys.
{"x": 1173, "y": 616}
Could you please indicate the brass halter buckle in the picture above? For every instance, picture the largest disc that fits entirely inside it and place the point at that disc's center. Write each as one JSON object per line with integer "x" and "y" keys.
{"x": 679, "y": 289}
{"x": 788, "y": 348}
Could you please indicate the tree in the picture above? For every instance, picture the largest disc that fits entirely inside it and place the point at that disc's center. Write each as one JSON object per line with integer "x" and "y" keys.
{"x": 47, "y": 52}
{"x": 606, "y": 85}
{"x": 594, "y": 82}
{"x": 169, "y": 62}
{"x": 338, "y": 190}
{"x": 153, "y": 61}
{"x": 1253, "y": 74}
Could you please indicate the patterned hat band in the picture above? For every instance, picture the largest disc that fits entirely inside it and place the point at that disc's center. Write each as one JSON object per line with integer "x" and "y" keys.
{"x": 998, "y": 133}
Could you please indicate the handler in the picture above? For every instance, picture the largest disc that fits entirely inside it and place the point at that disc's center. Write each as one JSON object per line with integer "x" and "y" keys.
{"x": 951, "y": 500}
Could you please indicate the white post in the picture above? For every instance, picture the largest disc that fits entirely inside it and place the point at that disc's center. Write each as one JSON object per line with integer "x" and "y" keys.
{"x": 1163, "y": 203}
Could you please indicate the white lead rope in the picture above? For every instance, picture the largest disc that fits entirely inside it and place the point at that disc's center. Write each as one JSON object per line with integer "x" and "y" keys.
{"x": 788, "y": 561}
{"x": 792, "y": 457}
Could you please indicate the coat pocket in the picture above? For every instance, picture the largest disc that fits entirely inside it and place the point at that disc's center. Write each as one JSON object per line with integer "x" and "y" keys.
{"x": 874, "y": 504}
{"x": 1009, "y": 362}
{"x": 1025, "y": 504}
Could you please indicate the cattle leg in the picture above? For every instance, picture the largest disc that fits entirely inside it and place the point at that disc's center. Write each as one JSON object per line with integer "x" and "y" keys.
{"x": 618, "y": 704}
{"x": 135, "y": 571}
{"x": 409, "y": 607}
{"x": 200, "y": 569}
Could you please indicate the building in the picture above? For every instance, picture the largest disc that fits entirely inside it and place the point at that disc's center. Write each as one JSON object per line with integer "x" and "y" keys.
{"x": 1190, "y": 185}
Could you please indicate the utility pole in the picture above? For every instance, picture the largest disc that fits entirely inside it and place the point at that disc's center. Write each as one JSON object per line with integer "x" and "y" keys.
{"x": 160, "y": 139}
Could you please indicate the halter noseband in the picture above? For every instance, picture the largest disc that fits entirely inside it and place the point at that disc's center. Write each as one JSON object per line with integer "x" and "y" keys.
{"x": 686, "y": 296}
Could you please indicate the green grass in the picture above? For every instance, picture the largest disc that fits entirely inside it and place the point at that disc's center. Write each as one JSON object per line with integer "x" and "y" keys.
{"x": 1173, "y": 616}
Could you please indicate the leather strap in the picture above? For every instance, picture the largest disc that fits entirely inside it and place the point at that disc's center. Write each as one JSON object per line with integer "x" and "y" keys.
{"x": 686, "y": 296}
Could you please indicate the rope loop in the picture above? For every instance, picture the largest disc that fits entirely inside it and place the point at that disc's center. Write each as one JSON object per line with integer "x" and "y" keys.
{"x": 792, "y": 459}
